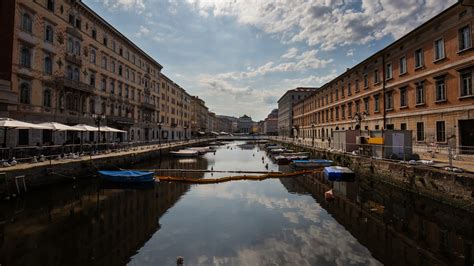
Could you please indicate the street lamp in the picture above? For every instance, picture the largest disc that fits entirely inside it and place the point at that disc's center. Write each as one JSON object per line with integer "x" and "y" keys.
{"x": 312, "y": 130}
{"x": 159, "y": 132}
{"x": 98, "y": 118}
{"x": 185, "y": 131}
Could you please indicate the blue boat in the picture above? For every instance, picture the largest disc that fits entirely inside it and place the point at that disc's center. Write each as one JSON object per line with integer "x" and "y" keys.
{"x": 127, "y": 176}
{"x": 311, "y": 163}
{"x": 338, "y": 173}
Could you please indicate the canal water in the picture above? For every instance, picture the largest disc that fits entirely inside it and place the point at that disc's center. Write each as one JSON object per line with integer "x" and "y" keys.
{"x": 272, "y": 222}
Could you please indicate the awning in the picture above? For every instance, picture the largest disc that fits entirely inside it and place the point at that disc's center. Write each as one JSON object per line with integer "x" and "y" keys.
{"x": 59, "y": 127}
{"x": 201, "y": 133}
{"x": 214, "y": 133}
{"x": 111, "y": 129}
{"x": 84, "y": 127}
{"x": 12, "y": 123}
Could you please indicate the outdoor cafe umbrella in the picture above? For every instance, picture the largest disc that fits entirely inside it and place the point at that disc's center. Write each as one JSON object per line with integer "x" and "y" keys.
{"x": 55, "y": 126}
{"x": 111, "y": 129}
{"x": 8, "y": 123}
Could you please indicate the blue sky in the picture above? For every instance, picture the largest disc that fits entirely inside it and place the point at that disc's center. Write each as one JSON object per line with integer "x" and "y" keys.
{"x": 241, "y": 56}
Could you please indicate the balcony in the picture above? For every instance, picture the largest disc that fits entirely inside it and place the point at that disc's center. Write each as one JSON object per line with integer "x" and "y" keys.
{"x": 75, "y": 59}
{"x": 149, "y": 106}
{"x": 124, "y": 120}
{"x": 74, "y": 84}
{"x": 174, "y": 125}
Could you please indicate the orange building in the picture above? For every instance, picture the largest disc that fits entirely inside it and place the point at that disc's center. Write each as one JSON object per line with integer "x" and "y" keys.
{"x": 421, "y": 82}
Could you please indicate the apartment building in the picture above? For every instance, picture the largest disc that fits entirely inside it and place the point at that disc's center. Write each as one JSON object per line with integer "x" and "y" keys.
{"x": 421, "y": 82}
{"x": 199, "y": 119}
{"x": 63, "y": 62}
{"x": 175, "y": 111}
{"x": 285, "y": 109}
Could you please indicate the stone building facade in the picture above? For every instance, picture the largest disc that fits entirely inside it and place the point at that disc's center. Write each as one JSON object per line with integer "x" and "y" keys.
{"x": 62, "y": 62}
{"x": 270, "y": 124}
{"x": 199, "y": 113}
{"x": 175, "y": 111}
{"x": 421, "y": 82}
{"x": 285, "y": 109}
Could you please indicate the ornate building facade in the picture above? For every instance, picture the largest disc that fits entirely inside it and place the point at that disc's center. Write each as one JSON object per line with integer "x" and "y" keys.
{"x": 421, "y": 82}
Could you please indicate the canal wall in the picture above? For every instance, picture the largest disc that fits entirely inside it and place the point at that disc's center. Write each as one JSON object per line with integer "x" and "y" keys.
{"x": 56, "y": 171}
{"x": 453, "y": 188}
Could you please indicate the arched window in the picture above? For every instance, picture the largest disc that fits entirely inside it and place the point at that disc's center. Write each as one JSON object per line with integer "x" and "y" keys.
{"x": 25, "y": 57}
{"x": 77, "y": 48}
{"x": 93, "y": 56}
{"x": 75, "y": 75}
{"x": 104, "y": 62}
{"x": 47, "y": 98}
{"x": 26, "y": 22}
{"x": 25, "y": 93}
{"x": 48, "y": 34}
{"x": 48, "y": 65}
{"x": 112, "y": 86}
{"x": 70, "y": 45}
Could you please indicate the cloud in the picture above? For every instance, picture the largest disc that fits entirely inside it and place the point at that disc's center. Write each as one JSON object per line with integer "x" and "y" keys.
{"x": 350, "y": 53}
{"x": 311, "y": 80}
{"x": 291, "y": 53}
{"x": 326, "y": 23}
{"x": 132, "y": 5}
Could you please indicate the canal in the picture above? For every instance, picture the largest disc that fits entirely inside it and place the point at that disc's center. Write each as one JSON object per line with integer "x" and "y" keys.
{"x": 272, "y": 222}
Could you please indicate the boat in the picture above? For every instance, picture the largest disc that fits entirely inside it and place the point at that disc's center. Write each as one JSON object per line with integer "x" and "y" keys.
{"x": 185, "y": 153}
{"x": 311, "y": 163}
{"x": 295, "y": 154}
{"x": 338, "y": 173}
{"x": 282, "y": 159}
{"x": 202, "y": 150}
{"x": 127, "y": 176}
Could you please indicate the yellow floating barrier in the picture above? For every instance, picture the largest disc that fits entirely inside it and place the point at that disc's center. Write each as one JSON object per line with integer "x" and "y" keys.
{"x": 377, "y": 141}
{"x": 233, "y": 178}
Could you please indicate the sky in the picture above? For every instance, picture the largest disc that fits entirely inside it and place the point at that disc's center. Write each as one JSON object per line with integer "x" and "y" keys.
{"x": 240, "y": 56}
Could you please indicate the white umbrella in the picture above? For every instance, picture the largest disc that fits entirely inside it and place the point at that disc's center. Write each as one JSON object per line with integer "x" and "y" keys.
{"x": 111, "y": 129}
{"x": 12, "y": 123}
{"x": 84, "y": 127}
{"x": 60, "y": 127}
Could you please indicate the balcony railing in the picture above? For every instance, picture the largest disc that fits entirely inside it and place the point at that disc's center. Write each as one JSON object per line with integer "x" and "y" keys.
{"x": 149, "y": 106}
{"x": 74, "y": 84}
{"x": 120, "y": 119}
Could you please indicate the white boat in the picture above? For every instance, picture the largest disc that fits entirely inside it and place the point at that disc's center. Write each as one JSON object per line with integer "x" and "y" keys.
{"x": 185, "y": 153}
{"x": 202, "y": 150}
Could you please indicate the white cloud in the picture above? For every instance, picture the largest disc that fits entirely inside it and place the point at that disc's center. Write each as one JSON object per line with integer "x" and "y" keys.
{"x": 136, "y": 5}
{"x": 350, "y": 52}
{"x": 291, "y": 53}
{"x": 326, "y": 23}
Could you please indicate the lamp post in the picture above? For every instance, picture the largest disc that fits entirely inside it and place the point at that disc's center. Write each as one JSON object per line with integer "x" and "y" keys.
{"x": 185, "y": 131}
{"x": 312, "y": 131}
{"x": 159, "y": 133}
{"x": 98, "y": 118}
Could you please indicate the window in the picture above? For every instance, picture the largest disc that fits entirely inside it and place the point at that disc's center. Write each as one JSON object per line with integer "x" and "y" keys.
{"x": 420, "y": 93}
{"x": 25, "y": 93}
{"x": 349, "y": 110}
{"x": 69, "y": 72}
{"x": 376, "y": 76}
{"x": 440, "y": 131}
{"x": 366, "y": 105}
{"x": 50, "y": 5}
{"x": 112, "y": 66}
{"x": 103, "y": 84}
{"x": 376, "y": 103}
{"x": 48, "y": 64}
{"x": 47, "y": 98}
{"x": 389, "y": 100}
{"x": 26, "y": 22}
{"x": 70, "y": 45}
{"x": 25, "y": 57}
{"x": 75, "y": 74}
{"x": 105, "y": 39}
{"x": 440, "y": 88}
{"x": 349, "y": 92}
{"x": 420, "y": 131}
{"x": 104, "y": 62}
{"x": 120, "y": 70}
{"x": 72, "y": 19}
{"x": 356, "y": 85}
{"x": 93, "y": 56}
{"x": 357, "y": 106}
{"x": 418, "y": 58}
{"x": 94, "y": 34}
{"x": 92, "y": 80}
{"x": 78, "y": 23}
{"x": 466, "y": 83}
{"x": 439, "y": 49}
{"x": 403, "y": 97}
{"x": 77, "y": 48}
{"x": 388, "y": 71}
{"x": 366, "y": 81}
{"x": 112, "y": 86}
{"x": 337, "y": 112}
{"x": 403, "y": 126}
{"x": 464, "y": 36}
{"x": 403, "y": 65}
{"x": 48, "y": 34}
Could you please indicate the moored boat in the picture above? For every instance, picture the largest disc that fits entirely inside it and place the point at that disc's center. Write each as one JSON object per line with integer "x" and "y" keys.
{"x": 311, "y": 163}
{"x": 184, "y": 153}
{"x": 338, "y": 173}
{"x": 127, "y": 176}
{"x": 202, "y": 150}
{"x": 282, "y": 159}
